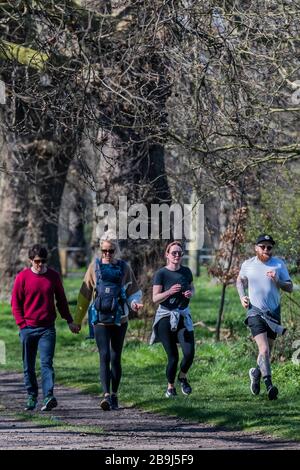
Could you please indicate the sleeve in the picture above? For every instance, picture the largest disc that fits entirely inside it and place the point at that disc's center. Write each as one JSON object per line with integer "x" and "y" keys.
{"x": 17, "y": 302}
{"x": 133, "y": 292}
{"x": 61, "y": 301}
{"x": 243, "y": 271}
{"x": 158, "y": 278}
{"x": 283, "y": 273}
{"x": 85, "y": 294}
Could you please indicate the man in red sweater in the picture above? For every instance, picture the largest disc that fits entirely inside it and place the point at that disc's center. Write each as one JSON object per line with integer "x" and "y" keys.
{"x": 34, "y": 294}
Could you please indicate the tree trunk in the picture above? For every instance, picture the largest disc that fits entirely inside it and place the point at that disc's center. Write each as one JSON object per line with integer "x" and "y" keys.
{"x": 75, "y": 219}
{"x": 220, "y": 314}
{"x": 13, "y": 220}
{"x": 136, "y": 172}
{"x": 30, "y": 205}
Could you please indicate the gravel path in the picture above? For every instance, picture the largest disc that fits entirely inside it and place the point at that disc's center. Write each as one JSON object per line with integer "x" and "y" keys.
{"x": 127, "y": 428}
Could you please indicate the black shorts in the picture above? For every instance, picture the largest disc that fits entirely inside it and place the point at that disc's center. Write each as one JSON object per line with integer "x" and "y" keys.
{"x": 258, "y": 325}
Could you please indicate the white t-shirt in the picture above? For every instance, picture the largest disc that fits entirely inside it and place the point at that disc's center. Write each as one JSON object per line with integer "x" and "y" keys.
{"x": 262, "y": 291}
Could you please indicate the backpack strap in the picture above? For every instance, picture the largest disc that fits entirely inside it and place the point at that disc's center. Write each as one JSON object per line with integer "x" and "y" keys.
{"x": 98, "y": 273}
{"x": 122, "y": 264}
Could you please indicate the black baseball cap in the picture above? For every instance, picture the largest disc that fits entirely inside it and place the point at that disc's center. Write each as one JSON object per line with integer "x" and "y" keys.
{"x": 264, "y": 237}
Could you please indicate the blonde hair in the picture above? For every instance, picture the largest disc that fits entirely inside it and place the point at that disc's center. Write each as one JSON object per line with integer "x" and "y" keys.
{"x": 109, "y": 237}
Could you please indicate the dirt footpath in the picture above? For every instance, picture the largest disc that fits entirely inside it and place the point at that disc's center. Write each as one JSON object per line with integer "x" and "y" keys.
{"x": 127, "y": 428}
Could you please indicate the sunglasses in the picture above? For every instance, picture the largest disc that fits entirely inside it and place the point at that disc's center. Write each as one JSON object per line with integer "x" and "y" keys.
{"x": 110, "y": 251}
{"x": 268, "y": 247}
{"x": 40, "y": 261}
{"x": 174, "y": 253}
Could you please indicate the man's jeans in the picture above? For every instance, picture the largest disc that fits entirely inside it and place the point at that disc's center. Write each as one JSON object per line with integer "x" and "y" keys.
{"x": 43, "y": 340}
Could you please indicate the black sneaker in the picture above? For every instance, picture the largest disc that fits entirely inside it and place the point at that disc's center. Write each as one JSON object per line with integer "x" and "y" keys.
{"x": 114, "y": 402}
{"x": 31, "y": 403}
{"x": 272, "y": 392}
{"x": 185, "y": 386}
{"x": 49, "y": 403}
{"x": 254, "y": 381}
{"x": 171, "y": 392}
{"x": 105, "y": 403}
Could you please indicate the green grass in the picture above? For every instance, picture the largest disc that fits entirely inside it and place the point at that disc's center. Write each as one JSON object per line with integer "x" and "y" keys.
{"x": 219, "y": 375}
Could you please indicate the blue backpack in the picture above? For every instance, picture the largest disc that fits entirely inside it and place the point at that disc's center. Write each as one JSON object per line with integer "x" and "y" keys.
{"x": 110, "y": 296}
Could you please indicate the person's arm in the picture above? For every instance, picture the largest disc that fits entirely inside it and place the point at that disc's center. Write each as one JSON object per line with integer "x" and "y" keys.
{"x": 133, "y": 292}
{"x": 158, "y": 296}
{"x": 17, "y": 302}
{"x": 286, "y": 285}
{"x": 281, "y": 278}
{"x": 85, "y": 294}
{"x": 241, "y": 285}
{"x": 62, "y": 305}
{"x": 190, "y": 292}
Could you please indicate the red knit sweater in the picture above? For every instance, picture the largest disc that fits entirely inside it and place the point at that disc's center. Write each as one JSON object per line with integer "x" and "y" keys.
{"x": 33, "y": 298}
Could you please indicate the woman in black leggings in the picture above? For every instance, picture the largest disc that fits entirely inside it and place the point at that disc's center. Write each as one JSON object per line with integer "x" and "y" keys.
{"x": 110, "y": 340}
{"x": 172, "y": 289}
{"x": 109, "y": 336}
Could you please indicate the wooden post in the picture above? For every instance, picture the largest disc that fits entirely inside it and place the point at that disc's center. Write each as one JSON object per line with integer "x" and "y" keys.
{"x": 63, "y": 256}
{"x": 197, "y": 232}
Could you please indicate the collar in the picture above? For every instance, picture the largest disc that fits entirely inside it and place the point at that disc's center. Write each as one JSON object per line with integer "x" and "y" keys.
{"x": 44, "y": 270}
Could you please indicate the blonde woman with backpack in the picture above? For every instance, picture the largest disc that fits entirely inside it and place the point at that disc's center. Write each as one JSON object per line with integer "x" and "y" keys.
{"x": 113, "y": 284}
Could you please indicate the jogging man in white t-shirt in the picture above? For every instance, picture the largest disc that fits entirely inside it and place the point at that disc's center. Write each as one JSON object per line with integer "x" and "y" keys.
{"x": 263, "y": 276}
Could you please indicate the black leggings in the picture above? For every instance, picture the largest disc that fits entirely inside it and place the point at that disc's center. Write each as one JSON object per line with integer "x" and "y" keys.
{"x": 110, "y": 340}
{"x": 169, "y": 341}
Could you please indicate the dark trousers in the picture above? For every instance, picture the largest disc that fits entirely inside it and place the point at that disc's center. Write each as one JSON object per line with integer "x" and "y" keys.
{"x": 43, "y": 340}
{"x": 169, "y": 341}
{"x": 110, "y": 340}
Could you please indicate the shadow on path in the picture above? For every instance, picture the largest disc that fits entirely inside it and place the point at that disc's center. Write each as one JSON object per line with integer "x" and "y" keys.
{"x": 126, "y": 428}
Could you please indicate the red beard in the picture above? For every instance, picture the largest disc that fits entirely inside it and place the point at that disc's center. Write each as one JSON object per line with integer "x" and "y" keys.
{"x": 264, "y": 257}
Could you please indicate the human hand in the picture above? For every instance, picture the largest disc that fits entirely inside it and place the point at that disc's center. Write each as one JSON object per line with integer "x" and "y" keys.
{"x": 74, "y": 328}
{"x": 188, "y": 294}
{"x": 174, "y": 289}
{"x": 272, "y": 275}
{"x": 136, "y": 307}
{"x": 245, "y": 301}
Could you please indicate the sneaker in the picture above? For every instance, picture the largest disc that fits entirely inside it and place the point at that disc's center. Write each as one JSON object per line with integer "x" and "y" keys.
{"x": 49, "y": 403}
{"x": 185, "y": 386}
{"x": 272, "y": 392}
{"x": 171, "y": 392}
{"x": 114, "y": 402}
{"x": 254, "y": 381}
{"x": 105, "y": 403}
{"x": 31, "y": 403}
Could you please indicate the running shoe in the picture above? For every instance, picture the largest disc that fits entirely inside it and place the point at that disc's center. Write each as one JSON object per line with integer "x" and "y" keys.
{"x": 31, "y": 403}
{"x": 105, "y": 403}
{"x": 49, "y": 403}
{"x": 114, "y": 402}
{"x": 272, "y": 392}
{"x": 171, "y": 392}
{"x": 255, "y": 376}
{"x": 185, "y": 386}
